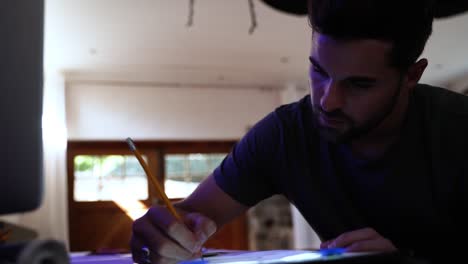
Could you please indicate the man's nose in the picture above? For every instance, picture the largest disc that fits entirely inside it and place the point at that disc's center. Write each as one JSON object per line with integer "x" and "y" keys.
{"x": 332, "y": 98}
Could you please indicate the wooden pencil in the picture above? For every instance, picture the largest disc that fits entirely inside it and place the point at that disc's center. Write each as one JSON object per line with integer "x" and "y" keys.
{"x": 153, "y": 179}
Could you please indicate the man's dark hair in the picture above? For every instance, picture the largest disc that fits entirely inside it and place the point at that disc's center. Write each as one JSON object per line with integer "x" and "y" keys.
{"x": 405, "y": 24}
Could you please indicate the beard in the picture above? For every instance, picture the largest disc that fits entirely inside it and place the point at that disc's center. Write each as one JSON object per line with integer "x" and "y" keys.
{"x": 348, "y": 129}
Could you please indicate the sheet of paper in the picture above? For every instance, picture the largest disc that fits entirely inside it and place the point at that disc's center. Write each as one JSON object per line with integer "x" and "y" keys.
{"x": 271, "y": 257}
{"x": 85, "y": 258}
{"x": 224, "y": 256}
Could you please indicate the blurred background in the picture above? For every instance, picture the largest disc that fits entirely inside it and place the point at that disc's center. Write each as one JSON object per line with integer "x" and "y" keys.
{"x": 186, "y": 80}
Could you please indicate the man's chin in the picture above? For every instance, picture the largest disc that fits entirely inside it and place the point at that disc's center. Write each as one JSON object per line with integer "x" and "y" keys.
{"x": 334, "y": 135}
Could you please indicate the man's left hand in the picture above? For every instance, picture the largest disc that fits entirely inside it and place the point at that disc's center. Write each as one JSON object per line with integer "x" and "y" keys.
{"x": 366, "y": 239}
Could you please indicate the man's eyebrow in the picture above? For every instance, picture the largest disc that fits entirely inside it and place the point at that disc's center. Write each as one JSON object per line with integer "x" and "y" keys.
{"x": 315, "y": 63}
{"x": 356, "y": 78}
{"x": 362, "y": 79}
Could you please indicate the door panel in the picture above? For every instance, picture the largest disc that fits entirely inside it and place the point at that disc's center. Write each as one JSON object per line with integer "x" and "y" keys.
{"x": 101, "y": 225}
{"x": 99, "y": 229}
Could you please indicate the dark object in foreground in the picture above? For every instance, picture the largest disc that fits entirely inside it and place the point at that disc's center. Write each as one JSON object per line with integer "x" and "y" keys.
{"x": 443, "y": 9}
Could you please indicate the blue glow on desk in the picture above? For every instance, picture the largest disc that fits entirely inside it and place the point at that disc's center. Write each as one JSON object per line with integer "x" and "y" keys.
{"x": 275, "y": 256}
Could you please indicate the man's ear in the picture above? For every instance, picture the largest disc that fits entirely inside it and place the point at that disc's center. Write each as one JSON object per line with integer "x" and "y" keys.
{"x": 415, "y": 72}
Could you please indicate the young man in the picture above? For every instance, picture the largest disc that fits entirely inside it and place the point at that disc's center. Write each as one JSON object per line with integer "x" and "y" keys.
{"x": 372, "y": 159}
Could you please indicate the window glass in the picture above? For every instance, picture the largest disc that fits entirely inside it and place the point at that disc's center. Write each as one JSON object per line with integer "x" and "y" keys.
{"x": 108, "y": 177}
{"x": 185, "y": 171}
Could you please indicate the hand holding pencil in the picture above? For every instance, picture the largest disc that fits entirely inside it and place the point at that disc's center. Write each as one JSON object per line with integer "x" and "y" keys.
{"x": 164, "y": 234}
{"x": 153, "y": 179}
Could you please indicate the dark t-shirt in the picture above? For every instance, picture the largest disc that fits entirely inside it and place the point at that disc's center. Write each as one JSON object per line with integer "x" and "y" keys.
{"x": 415, "y": 195}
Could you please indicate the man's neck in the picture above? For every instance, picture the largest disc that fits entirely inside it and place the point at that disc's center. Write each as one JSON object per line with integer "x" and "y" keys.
{"x": 375, "y": 148}
{"x": 376, "y": 143}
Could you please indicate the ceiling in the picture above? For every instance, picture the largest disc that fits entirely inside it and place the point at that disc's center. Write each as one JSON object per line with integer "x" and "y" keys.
{"x": 149, "y": 41}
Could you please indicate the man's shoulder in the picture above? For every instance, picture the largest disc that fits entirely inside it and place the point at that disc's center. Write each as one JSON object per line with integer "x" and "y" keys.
{"x": 295, "y": 120}
{"x": 442, "y": 101}
{"x": 293, "y": 111}
{"x": 443, "y": 114}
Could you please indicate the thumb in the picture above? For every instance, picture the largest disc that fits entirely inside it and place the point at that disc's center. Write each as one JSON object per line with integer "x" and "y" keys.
{"x": 324, "y": 245}
{"x": 202, "y": 226}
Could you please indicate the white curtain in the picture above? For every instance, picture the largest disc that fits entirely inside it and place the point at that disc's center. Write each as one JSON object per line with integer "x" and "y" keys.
{"x": 304, "y": 236}
{"x": 50, "y": 220}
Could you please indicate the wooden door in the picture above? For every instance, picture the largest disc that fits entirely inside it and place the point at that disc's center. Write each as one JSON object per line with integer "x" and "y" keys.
{"x": 101, "y": 225}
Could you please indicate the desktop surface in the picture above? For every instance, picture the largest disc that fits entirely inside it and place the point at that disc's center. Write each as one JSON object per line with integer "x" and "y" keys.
{"x": 255, "y": 257}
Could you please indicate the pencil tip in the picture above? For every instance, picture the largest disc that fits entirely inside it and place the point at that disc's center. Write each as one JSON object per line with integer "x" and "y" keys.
{"x": 131, "y": 145}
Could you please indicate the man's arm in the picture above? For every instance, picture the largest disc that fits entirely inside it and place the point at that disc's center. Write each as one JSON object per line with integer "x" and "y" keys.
{"x": 210, "y": 200}
{"x": 159, "y": 237}
{"x": 245, "y": 174}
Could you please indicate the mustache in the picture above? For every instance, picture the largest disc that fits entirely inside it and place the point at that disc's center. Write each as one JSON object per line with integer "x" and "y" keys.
{"x": 335, "y": 114}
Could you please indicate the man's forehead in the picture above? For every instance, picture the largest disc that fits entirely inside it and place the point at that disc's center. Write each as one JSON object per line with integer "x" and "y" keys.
{"x": 324, "y": 39}
{"x": 359, "y": 54}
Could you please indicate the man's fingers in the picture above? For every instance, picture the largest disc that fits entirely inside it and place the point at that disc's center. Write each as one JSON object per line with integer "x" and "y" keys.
{"x": 136, "y": 246}
{"x": 155, "y": 258}
{"x": 366, "y": 239}
{"x": 325, "y": 244}
{"x": 202, "y": 226}
{"x": 167, "y": 239}
{"x": 348, "y": 238}
{"x": 158, "y": 243}
{"x": 379, "y": 244}
{"x": 177, "y": 231}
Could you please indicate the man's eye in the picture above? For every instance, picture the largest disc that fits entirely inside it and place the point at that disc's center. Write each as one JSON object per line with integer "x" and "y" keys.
{"x": 361, "y": 85}
{"x": 318, "y": 70}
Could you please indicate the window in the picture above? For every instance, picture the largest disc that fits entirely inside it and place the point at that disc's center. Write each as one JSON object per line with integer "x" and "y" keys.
{"x": 108, "y": 177}
{"x": 103, "y": 171}
{"x": 183, "y": 172}
{"x": 106, "y": 184}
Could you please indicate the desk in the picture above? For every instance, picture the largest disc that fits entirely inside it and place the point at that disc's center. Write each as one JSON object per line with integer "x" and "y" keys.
{"x": 270, "y": 256}
{"x": 86, "y": 258}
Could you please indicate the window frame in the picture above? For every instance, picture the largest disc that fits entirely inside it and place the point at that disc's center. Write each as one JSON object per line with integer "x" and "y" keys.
{"x": 154, "y": 150}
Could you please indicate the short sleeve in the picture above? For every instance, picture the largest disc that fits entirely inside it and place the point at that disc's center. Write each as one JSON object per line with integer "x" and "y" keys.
{"x": 247, "y": 173}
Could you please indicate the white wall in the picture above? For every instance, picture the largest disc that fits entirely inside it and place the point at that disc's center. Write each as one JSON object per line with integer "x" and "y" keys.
{"x": 459, "y": 84}
{"x": 50, "y": 220}
{"x": 116, "y": 111}
{"x": 303, "y": 234}
{"x": 113, "y": 111}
